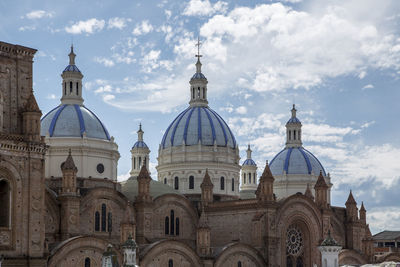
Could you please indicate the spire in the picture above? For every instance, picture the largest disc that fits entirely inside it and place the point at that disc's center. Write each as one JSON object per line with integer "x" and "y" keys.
{"x": 203, "y": 222}
{"x": 267, "y": 174}
{"x": 198, "y": 63}
{"x": 362, "y": 207}
{"x": 308, "y": 192}
{"x": 320, "y": 182}
{"x": 293, "y": 130}
{"x": 248, "y": 152}
{"x": 206, "y": 180}
{"x": 350, "y": 199}
{"x": 69, "y": 163}
{"x": 140, "y": 133}
{"x": 72, "y": 56}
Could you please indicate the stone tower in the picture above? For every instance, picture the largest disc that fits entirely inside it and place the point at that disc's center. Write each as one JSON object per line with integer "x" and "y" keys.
{"x": 249, "y": 173}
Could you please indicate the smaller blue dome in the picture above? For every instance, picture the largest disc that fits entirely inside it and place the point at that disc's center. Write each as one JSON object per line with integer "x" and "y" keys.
{"x": 72, "y": 120}
{"x": 72, "y": 68}
{"x": 140, "y": 144}
{"x": 249, "y": 162}
{"x": 199, "y": 75}
{"x": 293, "y": 120}
{"x": 296, "y": 160}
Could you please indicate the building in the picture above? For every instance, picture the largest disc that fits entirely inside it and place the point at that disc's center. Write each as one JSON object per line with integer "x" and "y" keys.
{"x": 387, "y": 246}
{"x": 62, "y": 206}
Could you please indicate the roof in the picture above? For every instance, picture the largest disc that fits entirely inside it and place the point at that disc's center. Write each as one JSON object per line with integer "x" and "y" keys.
{"x": 69, "y": 163}
{"x": 293, "y": 120}
{"x": 329, "y": 241}
{"x": 72, "y": 68}
{"x": 387, "y": 235}
{"x": 249, "y": 162}
{"x": 72, "y": 120}
{"x": 198, "y": 124}
{"x": 320, "y": 182}
{"x": 199, "y": 75}
{"x": 130, "y": 188}
{"x": 296, "y": 160}
{"x": 140, "y": 144}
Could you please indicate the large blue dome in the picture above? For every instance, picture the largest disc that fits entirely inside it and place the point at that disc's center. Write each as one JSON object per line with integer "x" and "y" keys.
{"x": 72, "y": 120}
{"x": 198, "y": 123}
{"x": 296, "y": 160}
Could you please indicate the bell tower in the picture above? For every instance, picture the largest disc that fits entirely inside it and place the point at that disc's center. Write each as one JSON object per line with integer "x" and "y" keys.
{"x": 293, "y": 130}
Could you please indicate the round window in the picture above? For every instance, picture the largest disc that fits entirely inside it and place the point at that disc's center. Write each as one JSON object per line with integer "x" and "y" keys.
{"x": 100, "y": 168}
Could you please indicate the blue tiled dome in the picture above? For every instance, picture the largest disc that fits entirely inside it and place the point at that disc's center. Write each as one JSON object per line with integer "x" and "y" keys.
{"x": 72, "y": 68}
{"x": 140, "y": 144}
{"x": 198, "y": 123}
{"x": 296, "y": 160}
{"x": 72, "y": 121}
{"x": 293, "y": 120}
{"x": 249, "y": 162}
{"x": 199, "y": 75}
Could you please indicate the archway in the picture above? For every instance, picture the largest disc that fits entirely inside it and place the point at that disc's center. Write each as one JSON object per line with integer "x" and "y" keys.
{"x": 238, "y": 254}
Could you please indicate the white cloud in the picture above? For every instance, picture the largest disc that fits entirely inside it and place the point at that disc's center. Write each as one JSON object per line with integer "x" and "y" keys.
{"x": 117, "y": 23}
{"x": 379, "y": 217}
{"x": 124, "y": 177}
{"x": 368, "y": 86}
{"x": 38, "y": 14}
{"x": 88, "y": 26}
{"x": 362, "y": 75}
{"x": 105, "y": 61}
{"x": 27, "y": 28}
{"x": 241, "y": 110}
{"x": 143, "y": 28}
{"x": 105, "y": 88}
{"x": 108, "y": 97}
{"x": 204, "y": 8}
{"x": 51, "y": 96}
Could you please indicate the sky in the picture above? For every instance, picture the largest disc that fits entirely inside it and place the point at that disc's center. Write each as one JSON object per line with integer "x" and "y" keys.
{"x": 338, "y": 61}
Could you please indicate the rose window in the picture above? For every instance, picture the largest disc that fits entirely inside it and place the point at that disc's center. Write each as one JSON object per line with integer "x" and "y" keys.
{"x": 294, "y": 241}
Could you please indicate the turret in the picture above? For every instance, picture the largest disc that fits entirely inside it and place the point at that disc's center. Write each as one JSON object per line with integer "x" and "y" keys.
{"x": 31, "y": 119}
{"x": 351, "y": 208}
{"x": 308, "y": 192}
{"x": 144, "y": 180}
{"x": 72, "y": 82}
{"x": 140, "y": 154}
{"x": 330, "y": 250}
{"x": 293, "y": 130}
{"x": 363, "y": 214}
{"x": 249, "y": 173}
{"x": 203, "y": 241}
{"x": 69, "y": 199}
{"x": 109, "y": 258}
{"x": 321, "y": 192}
{"x": 206, "y": 190}
{"x": 265, "y": 191}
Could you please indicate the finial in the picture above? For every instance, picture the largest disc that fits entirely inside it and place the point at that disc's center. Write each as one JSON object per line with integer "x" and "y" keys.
{"x": 72, "y": 56}
{"x": 69, "y": 152}
{"x": 266, "y": 162}
{"x": 140, "y": 126}
{"x": 294, "y": 111}
{"x": 198, "y": 63}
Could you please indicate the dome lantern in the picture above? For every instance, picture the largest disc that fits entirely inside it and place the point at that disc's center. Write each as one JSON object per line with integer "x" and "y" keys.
{"x": 72, "y": 82}
{"x": 293, "y": 131}
{"x": 198, "y": 84}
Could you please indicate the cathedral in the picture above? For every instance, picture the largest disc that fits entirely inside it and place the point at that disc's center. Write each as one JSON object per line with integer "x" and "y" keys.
{"x": 61, "y": 204}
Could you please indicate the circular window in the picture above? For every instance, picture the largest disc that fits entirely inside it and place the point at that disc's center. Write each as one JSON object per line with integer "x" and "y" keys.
{"x": 100, "y": 168}
{"x": 294, "y": 241}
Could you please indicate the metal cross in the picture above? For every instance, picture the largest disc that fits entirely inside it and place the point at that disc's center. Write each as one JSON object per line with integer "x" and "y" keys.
{"x": 198, "y": 48}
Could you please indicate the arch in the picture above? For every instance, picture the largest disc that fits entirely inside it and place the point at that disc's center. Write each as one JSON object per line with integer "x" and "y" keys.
{"x": 179, "y": 201}
{"x": 76, "y": 249}
{"x": 191, "y": 182}
{"x": 233, "y": 184}
{"x": 300, "y": 211}
{"x": 349, "y": 257}
{"x": 87, "y": 262}
{"x": 394, "y": 256}
{"x": 239, "y": 252}
{"x": 222, "y": 183}
{"x": 161, "y": 252}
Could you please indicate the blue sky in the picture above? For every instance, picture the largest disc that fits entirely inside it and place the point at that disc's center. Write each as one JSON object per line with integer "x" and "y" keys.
{"x": 339, "y": 61}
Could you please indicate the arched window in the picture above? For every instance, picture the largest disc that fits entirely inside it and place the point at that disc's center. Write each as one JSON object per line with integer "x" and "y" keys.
{"x": 103, "y": 217}
{"x": 254, "y": 178}
{"x": 239, "y": 264}
{"x": 191, "y": 182}
{"x": 87, "y": 262}
{"x": 97, "y": 221}
{"x": 170, "y": 263}
{"x": 176, "y": 183}
{"x": 109, "y": 228}
{"x": 198, "y": 92}
{"x": 166, "y": 226}
{"x": 193, "y": 92}
{"x": 249, "y": 177}
{"x": 4, "y": 203}
{"x": 244, "y": 178}
{"x": 77, "y": 90}
{"x": 222, "y": 183}
{"x": 134, "y": 163}
{"x": 70, "y": 87}
{"x": 65, "y": 88}
{"x": 165, "y": 180}
{"x": 290, "y": 135}
{"x": 204, "y": 93}
{"x": 177, "y": 226}
{"x": 233, "y": 184}
{"x": 172, "y": 217}
{"x": 140, "y": 162}
{"x": 299, "y": 262}
{"x": 294, "y": 135}
{"x": 289, "y": 262}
